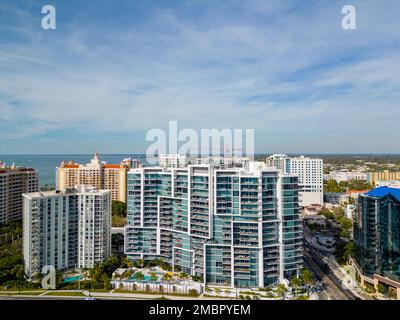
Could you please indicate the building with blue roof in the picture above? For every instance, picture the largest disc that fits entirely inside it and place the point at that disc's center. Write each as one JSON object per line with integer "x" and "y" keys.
{"x": 377, "y": 239}
{"x": 384, "y": 191}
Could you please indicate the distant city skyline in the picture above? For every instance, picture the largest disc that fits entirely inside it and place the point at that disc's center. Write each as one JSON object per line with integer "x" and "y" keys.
{"x": 255, "y": 155}
{"x": 112, "y": 71}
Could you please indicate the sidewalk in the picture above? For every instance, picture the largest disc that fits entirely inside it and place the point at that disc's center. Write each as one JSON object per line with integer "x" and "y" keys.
{"x": 147, "y": 296}
{"x": 339, "y": 272}
{"x": 314, "y": 296}
{"x": 343, "y": 276}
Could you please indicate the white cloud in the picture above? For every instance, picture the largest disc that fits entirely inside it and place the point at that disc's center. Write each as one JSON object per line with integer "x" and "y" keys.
{"x": 234, "y": 70}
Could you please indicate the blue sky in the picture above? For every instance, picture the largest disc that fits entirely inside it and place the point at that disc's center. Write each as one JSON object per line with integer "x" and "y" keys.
{"x": 114, "y": 69}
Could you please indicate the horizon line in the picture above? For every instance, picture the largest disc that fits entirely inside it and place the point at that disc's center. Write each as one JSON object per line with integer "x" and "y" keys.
{"x": 255, "y": 154}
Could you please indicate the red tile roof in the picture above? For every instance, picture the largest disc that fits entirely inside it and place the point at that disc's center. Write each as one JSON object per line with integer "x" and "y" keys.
{"x": 111, "y": 166}
{"x": 356, "y": 191}
{"x": 70, "y": 166}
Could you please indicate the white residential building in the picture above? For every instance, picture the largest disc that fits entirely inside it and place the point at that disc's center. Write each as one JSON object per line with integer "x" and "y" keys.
{"x": 226, "y": 162}
{"x": 279, "y": 161}
{"x": 94, "y": 207}
{"x": 345, "y": 176}
{"x": 388, "y": 183}
{"x": 309, "y": 171}
{"x": 350, "y": 211}
{"x": 132, "y": 163}
{"x": 66, "y": 229}
{"x": 172, "y": 160}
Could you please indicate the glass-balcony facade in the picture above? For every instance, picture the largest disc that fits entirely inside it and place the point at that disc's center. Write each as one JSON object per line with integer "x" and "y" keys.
{"x": 242, "y": 227}
{"x": 377, "y": 233}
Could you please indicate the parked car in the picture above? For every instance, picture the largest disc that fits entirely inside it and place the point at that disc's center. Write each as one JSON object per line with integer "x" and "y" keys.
{"x": 319, "y": 289}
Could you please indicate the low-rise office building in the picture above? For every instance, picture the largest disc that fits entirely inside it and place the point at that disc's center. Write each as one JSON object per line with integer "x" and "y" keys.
{"x": 336, "y": 198}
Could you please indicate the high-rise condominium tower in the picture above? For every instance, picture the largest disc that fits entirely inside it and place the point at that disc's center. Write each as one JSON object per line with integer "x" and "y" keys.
{"x": 225, "y": 162}
{"x": 172, "y": 160}
{"x": 310, "y": 172}
{"x": 14, "y": 181}
{"x": 233, "y": 227}
{"x": 377, "y": 239}
{"x": 96, "y": 174}
{"x": 66, "y": 229}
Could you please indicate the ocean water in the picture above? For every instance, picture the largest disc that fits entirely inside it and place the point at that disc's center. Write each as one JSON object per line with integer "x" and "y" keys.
{"x": 46, "y": 164}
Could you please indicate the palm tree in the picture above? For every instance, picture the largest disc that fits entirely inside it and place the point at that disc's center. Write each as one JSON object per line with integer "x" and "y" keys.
{"x": 281, "y": 289}
{"x": 167, "y": 276}
{"x": 295, "y": 282}
{"x": 153, "y": 276}
{"x": 141, "y": 262}
{"x": 139, "y": 276}
{"x": 129, "y": 263}
{"x": 183, "y": 275}
{"x": 307, "y": 278}
{"x": 129, "y": 273}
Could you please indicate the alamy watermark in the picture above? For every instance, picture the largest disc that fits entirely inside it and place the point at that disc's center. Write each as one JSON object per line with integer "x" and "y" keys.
{"x": 49, "y": 20}
{"x": 209, "y": 142}
{"x": 49, "y": 277}
{"x": 349, "y": 20}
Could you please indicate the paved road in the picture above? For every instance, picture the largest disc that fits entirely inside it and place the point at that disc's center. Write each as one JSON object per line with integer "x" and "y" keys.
{"x": 40, "y": 298}
{"x": 333, "y": 286}
{"x": 68, "y": 298}
{"x": 106, "y": 296}
{"x": 317, "y": 275}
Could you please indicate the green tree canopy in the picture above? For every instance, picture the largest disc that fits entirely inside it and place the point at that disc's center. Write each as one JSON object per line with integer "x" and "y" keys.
{"x": 119, "y": 208}
{"x": 307, "y": 277}
{"x": 332, "y": 186}
{"x": 139, "y": 276}
{"x": 153, "y": 276}
{"x": 281, "y": 289}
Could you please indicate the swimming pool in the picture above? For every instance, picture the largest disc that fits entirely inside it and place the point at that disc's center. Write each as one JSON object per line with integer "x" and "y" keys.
{"x": 72, "y": 279}
{"x": 145, "y": 279}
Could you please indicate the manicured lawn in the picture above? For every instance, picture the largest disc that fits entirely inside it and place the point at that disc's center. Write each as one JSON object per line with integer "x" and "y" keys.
{"x": 25, "y": 293}
{"x": 61, "y": 293}
{"x": 98, "y": 290}
{"x": 32, "y": 293}
{"x": 5, "y": 293}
